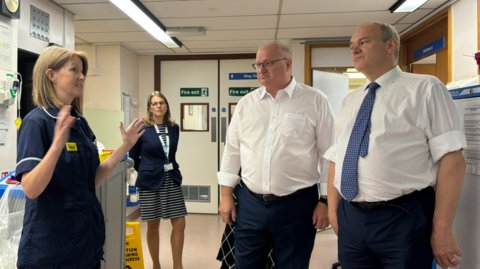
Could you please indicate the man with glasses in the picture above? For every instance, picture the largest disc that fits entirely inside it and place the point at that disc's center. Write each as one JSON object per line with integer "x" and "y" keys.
{"x": 279, "y": 134}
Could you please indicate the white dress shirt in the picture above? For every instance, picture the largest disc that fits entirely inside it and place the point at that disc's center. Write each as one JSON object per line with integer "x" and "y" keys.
{"x": 414, "y": 124}
{"x": 279, "y": 142}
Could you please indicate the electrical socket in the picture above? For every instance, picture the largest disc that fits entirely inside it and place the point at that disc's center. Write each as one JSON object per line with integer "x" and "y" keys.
{"x": 3, "y": 123}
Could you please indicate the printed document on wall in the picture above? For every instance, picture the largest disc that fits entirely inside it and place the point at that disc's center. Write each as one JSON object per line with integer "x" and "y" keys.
{"x": 5, "y": 47}
{"x": 471, "y": 126}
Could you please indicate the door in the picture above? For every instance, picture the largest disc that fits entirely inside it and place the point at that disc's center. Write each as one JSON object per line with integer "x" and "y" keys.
{"x": 334, "y": 85}
{"x": 193, "y": 86}
{"x": 232, "y": 89}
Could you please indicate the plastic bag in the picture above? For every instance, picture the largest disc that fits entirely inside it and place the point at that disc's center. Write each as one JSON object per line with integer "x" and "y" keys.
{"x": 12, "y": 210}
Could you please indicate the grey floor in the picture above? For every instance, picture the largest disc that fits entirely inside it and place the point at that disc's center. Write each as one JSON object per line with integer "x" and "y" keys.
{"x": 203, "y": 234}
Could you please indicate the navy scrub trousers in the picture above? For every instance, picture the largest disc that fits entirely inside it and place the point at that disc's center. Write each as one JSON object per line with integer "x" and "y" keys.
{"x": 395, "y": 236}
{"x": 285, "y": 225}
{"x": 64, "y": 226}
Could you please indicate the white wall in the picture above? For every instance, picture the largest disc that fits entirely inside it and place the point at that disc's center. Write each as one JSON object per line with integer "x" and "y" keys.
{"x": 21, "y": 39}
{"x": 103, "y": 91}
{"x": 465, "y": 33}
{"x": 56, "y": 26}
{"x": 298, "y": 59}
{"x": 129, "y": 78}
{"x": 146, "y": 84}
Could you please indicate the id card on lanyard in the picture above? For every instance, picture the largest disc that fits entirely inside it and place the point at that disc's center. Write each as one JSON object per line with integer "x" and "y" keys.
{"x": 166, "y": 147}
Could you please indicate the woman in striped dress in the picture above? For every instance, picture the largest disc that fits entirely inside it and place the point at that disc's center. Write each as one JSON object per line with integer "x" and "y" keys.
{"x": 159, "y": 178}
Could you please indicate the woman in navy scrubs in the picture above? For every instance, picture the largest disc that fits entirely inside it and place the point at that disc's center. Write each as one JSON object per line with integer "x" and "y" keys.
{"x": 159, "y": 179}
{"x": 58, "y": 165}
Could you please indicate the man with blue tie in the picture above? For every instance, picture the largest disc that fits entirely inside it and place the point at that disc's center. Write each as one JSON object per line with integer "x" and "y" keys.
{"x": 395, "y": 137}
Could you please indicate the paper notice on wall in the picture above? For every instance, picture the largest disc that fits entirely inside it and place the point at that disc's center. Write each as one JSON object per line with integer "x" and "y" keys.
{"x": 5, "y": 46}
{"x": 471, "y": 127}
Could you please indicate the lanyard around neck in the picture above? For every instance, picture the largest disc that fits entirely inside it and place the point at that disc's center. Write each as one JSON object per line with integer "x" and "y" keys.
{"x": 165, "y": 146}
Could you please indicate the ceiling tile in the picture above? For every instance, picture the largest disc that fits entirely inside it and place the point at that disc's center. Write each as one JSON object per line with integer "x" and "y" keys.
{"x": 433, "y": 3}
{"x": 115, "y": 37}
{"x": 226, "y": 50}
{"x": 60, "y": 2}
{"x": 226, "y": 44}
{"x": 93, "y": 11}
{"x": 224, "y": 23}
{"x": 99, "y": 26}
{"x": 145, "y": 45}
{"x": 233, "y": 35}
{"x": 197, "y": 9}
{"x": 328, "y": 6}
{"x": 337, "y": 19}
{"x": 319, "y": 32}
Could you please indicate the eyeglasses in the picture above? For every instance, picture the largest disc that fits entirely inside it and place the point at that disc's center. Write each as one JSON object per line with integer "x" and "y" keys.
{"x": 266, "y": 64}
{"x": 158, "y": 104}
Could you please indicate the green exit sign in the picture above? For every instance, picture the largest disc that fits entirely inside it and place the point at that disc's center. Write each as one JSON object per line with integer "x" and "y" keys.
{"x": 240, "y": 91}
{"x": 194, "y": 92}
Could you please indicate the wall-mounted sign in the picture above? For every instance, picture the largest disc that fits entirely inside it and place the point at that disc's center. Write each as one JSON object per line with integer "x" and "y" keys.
{"x": 240, "y": 91}
{"x": 242, "y": 76}
{"x": 429, "y": 49}
{"x": 194, "y": 92}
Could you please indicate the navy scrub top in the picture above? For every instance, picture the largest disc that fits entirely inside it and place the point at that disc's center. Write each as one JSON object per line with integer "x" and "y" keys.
{"x": 64, "y": 226}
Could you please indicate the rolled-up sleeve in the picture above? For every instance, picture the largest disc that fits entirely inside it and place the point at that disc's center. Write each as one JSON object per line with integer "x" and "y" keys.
{"x": 228, "y": 174}
{"x": 443, "y": 129}
{"x": 33, "y": 144}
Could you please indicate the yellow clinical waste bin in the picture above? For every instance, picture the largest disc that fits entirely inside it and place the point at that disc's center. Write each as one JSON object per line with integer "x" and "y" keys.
{"x": 133, "y": 247}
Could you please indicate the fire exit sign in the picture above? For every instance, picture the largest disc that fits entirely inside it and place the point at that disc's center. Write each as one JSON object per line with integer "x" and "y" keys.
{"x": 240, "y": 91}
{"x": 194, "y": 92}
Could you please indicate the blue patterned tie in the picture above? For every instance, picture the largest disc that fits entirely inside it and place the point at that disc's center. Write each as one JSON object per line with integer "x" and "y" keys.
{"x": 357, "y": 145}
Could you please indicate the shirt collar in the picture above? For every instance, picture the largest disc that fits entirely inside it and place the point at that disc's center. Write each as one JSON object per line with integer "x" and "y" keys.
{"x": 52, "y": 111}
{"x": 388, "y": 78}
{"x": 289, "y": 89}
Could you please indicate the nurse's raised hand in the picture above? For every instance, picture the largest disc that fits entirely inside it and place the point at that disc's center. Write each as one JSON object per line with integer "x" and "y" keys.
{"x": 133, "y": 132}
{"x": 62, "y": 128}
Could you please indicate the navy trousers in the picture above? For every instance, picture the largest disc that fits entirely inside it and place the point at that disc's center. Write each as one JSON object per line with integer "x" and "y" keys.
{"x": 394, "y": 236}
{"x": 285, "y": 225}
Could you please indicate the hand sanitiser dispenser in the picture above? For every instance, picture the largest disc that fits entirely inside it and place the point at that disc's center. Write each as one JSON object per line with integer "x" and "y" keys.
{"x": 9, "y": 91}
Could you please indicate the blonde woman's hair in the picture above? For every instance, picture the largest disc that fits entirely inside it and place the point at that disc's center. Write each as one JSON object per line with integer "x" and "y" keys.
{"x": 148, "y": 119}
{"x": 54, "y": 58}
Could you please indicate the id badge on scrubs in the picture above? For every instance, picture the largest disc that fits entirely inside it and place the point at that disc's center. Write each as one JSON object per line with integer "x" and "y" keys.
{"x": 168, "y": 167}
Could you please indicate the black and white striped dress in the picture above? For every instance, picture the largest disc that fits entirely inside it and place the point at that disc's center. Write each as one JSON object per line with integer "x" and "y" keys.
{"x": 166, "y": 202}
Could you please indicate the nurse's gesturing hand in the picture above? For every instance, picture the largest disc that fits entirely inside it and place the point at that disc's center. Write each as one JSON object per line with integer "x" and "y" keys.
{"x": 130, "y": 137}
{"x": 133, "y": 132}
{"x": 62, "y": 128}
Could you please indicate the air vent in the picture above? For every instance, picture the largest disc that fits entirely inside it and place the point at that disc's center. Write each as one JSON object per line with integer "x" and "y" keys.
{"x": 196, "y": 193}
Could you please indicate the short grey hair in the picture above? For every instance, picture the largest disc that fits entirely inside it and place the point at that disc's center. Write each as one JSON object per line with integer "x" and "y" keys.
{"x": 388, "y": 32}
{"x": 284, "y": 48}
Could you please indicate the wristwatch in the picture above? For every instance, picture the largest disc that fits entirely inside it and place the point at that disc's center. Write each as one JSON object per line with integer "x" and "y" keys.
{"x": 323, "y": 200}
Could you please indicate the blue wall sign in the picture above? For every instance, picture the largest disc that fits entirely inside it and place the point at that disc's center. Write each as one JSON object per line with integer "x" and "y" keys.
{"x": 242, "y": 76}
{"x": 224, "y": 110}
{"x": 429, "y": 49}
{"x": 214, "y": 110}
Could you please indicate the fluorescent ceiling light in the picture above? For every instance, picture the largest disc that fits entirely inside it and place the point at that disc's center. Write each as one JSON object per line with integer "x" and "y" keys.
{"x": 155, "y": 28}
{"x": 406, "y": 6}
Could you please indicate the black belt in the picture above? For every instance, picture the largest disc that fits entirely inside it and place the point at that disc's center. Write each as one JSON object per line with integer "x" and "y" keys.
{"x": 396, "y": 201}
{"x": 273, "y": 197}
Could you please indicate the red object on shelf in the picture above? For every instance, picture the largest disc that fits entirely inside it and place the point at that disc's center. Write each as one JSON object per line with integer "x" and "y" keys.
{"x": 477, "y": 57}
{"x": 12, "y": 180}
